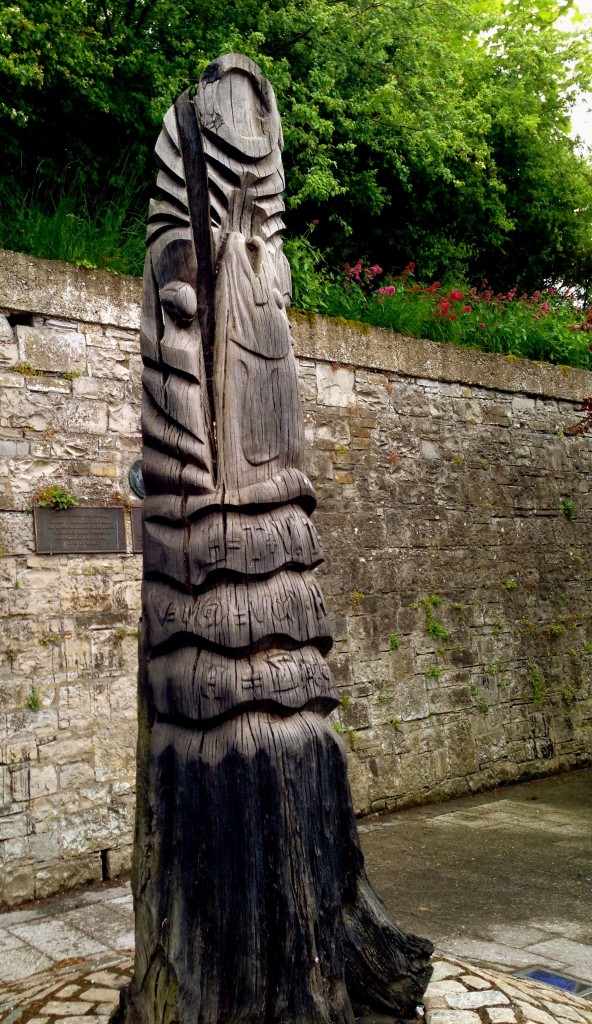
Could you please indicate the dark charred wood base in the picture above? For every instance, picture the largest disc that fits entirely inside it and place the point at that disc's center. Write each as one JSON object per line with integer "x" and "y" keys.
{"x": 252, "y": 904}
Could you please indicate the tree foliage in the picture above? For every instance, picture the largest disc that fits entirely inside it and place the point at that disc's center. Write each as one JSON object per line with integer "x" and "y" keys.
{"x": 437, "y": 132}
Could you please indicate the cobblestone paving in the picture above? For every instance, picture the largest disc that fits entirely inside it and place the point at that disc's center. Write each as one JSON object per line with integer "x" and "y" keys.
{"x": 87, "y": 990}
{"x": 75, "y": 990}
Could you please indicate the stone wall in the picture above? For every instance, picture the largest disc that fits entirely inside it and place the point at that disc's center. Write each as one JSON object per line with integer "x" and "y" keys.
{"x": 455, "y": 513}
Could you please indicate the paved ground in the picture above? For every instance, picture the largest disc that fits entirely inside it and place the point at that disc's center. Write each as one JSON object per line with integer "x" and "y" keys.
{"x": 504, "y": 880}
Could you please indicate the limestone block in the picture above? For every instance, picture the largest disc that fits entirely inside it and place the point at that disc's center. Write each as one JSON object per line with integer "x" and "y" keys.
{"x": 86, "y": 593}
{"x": 122, "y": 692}
{"x": 18, "y": 749}
{"x": 87, "y": 417}
{"x": 124, "y": 418}
{"x": 100, "y": 388}
{"x": 27, "y": 476}
{"x": 17, "y": 883}
{"x": 44, "y": 846}
{"x": 14, "y": 825}
{"x": 8, "y": 345}
{"x": 48, "y": 385}
{"x": 74, "y": 776}
{"x": 97, "y": 338}
{"x": 126, "y": 597}
{"x": 108, "y": 363}
{"x": 335, "y": 387}
{"x": 123, "y": 334}
{"x": 6, "y": 332}
{"x": 94, "y": 830}
{"x": 104, "y": 469}
{"x": 66, "y": 750}
{"x": 47, "y": 348}
{"x": 19, "y": 784}
{"x": 114, "y": 745}
{"x": 62, "y": 875}
{"x": 43, "y": 780}
{"x": 359, "y": 783}
{"x": 12, "y": 448}
{"x": 118, "y": 861}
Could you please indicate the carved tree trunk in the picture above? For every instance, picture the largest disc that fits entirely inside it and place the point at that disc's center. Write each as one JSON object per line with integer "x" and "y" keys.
{"x": 251, "y": 900}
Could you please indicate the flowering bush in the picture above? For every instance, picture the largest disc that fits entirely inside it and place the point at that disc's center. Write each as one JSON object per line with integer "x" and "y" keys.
{"x": 544, "y": 325}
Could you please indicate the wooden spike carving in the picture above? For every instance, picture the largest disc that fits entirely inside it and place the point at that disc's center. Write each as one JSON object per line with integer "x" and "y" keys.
{"x": 251, "y": 900}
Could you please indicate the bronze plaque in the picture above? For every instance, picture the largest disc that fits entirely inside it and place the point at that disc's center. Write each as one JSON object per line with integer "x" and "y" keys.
{"x": 137, "y": 514}
{"x": 79, "y": 530}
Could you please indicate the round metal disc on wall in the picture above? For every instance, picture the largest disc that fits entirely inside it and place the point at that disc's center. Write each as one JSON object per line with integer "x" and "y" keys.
{"x": 136, "y": 480}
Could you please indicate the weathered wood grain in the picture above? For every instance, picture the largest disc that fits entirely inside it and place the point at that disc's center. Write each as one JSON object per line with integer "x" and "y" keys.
{"x": 251, "y": 900}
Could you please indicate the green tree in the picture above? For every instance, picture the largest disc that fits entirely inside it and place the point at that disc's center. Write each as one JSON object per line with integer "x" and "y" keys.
{"x": 436, "y": 132}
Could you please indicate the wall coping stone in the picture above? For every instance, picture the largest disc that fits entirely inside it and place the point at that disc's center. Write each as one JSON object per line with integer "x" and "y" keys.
{"x": 65, "y": 290}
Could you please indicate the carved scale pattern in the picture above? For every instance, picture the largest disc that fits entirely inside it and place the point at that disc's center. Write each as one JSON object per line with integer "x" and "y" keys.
{"x": 251, "y": 899}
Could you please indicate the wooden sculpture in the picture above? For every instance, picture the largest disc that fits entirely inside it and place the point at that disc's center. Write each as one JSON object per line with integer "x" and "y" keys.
{"x": 251, "y": 900}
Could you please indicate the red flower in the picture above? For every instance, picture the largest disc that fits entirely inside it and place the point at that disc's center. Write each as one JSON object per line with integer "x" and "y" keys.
{"x": 467, "y": 309}
{"x": 456, "y": 296}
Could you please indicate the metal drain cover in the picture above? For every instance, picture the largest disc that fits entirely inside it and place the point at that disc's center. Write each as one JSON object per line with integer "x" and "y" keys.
{"x": 563, "y": 981}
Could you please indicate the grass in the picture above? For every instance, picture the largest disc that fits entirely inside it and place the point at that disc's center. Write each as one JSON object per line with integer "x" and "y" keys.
{"x": 104, "y": 231}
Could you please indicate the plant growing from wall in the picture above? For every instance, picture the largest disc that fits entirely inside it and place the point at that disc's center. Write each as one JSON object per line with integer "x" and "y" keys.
{"x": 56, "y": 497}
{"x": 568, "y": 509}
{"x": 538, "y": 686}
{"x": 49, "y": 639}
{"x": 26, "y": 370}
{"x": 34, "y": 700}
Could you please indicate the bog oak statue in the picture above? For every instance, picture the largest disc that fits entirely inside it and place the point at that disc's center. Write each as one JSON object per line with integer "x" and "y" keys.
{"x": 252, "y": 905}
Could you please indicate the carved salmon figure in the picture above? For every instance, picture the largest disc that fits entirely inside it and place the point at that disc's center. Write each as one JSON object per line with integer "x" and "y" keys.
{"x": 251, "y": 900}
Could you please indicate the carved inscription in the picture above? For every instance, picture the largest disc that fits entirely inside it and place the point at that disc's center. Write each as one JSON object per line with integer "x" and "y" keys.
{"x": 79, "y": 530}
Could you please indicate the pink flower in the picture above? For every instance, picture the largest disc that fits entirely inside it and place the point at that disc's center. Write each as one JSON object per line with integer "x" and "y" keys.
{"x": 511, "y": 294}
{"x": 375, "y": 270}
{"x": 545, "y": 307}
{"x": 536, "y": 296}
{"x": 551, "y": 291}
{"x": 388, "y": 290}
{"x": 456, "y": 296}
{"x": 354, "y": 271}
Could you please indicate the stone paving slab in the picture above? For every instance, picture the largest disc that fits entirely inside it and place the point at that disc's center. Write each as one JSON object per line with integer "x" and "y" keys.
{"x": 86, "y": 991}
